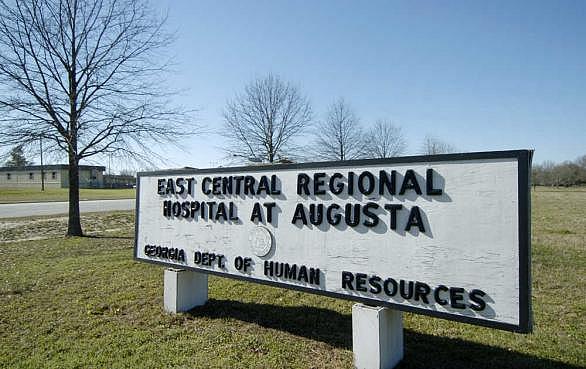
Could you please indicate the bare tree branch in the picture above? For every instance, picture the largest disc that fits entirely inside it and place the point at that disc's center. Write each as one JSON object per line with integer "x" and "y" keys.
{"x": 262, "y": 122}
{"x": 384, "y": 140}
{"x": 339, "y": 136}
{"x": 433, "y": 146}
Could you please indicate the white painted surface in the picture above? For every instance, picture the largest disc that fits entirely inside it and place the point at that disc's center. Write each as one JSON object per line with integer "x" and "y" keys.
{"x": 471, "y": 240}
{"x": 184, "y": 290}
{"x": 377, "y": 337}
{"x": 62, "y": 207}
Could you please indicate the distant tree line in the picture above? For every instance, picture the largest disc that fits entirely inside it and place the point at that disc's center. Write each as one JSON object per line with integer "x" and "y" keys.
{"x": 566, "y": 174}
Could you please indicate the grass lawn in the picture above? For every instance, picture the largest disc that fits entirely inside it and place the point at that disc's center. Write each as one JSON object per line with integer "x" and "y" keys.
{"x": 12, "y": 195}
{"x": 83, "y": 302}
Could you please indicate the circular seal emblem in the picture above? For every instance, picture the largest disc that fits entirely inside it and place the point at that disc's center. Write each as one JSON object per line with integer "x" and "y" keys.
{"x": 261, "y": 241}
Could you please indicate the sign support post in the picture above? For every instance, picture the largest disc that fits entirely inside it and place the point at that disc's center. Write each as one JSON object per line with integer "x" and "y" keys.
{"x": 184, "y": 290}
{"x": 377, "y": 336}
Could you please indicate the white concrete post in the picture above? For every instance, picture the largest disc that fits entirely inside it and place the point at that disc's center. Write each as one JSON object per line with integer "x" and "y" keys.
{"x": 184, "y": 290}
{"x": 377, "y": 337}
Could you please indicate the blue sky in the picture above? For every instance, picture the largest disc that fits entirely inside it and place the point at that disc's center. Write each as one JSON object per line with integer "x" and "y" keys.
{"x": 481, "y": 75}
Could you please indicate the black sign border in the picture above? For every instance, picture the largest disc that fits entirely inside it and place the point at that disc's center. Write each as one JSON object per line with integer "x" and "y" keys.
{"x": 524, "y": 200}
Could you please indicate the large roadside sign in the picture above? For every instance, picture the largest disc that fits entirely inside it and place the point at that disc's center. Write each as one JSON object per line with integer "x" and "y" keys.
{"x": 443, "y": 235}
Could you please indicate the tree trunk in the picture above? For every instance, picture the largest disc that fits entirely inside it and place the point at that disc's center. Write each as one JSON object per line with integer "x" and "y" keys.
{"x": 74, "y": 224}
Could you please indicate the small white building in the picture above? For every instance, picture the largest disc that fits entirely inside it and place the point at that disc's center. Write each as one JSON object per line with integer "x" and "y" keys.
{"x": 56, "y": 176}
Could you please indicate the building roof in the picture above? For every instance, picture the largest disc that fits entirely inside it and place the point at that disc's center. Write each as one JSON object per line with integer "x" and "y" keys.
{"x": 118, "y": 176}
{"x": 49, "y": 167}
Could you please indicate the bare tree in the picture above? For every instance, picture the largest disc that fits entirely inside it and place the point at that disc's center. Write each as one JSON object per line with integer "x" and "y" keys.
{"x": 262, "y": 122}
{"x": 339, "y": 136}
{"x": 85, "y": 76}
{"x": 432, "y": 146}
{"x": 384, "y": 140}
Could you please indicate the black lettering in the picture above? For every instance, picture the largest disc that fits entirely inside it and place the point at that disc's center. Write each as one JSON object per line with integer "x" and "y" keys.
{"x": 211, "y": 207}
{"x": 436, "y": 294}
{"x": 221, "y": 261}
{"x": 170, "y": 186}
{"x": 232, "y": 212}
{"x": 176, "y": 208}
{"x": 374, "y": 282}
{"x": 336, "y": 218}
{"x": 392, "y": 208}
{"x": 390, "y": 292}
{"x": 407, "y": 294}
{"x": 347, "y": 279}
{"x": 274, "y": 189}
{"x": 216, "y": 185}
{"x": 314, "y": 276}
{"x": 247, "y": 264}
{"x": 303, "y": 184}
{"x": 256, "y": 215}
{"x": 204, "y": 188}
{"x": 360, "y": 282}
{"x": 299, "y": 214}
{"x": 161, "y": 186}
{"x": 421, "y": 292}
{"x": 410, "y": 183}
{"x": 190, "y": 182}
{"x": 456, "y": 295}
{"x": 238, "y": 180}
{"x": 185, "y": 209}
{"x": 279, "y": 269}
{"x": 350, "y": 183}
{"x": 167, "y": 208}
{"x": 194, "y": 208}
{"x": 302, "y": 276}
{"x": 181, "y": 186}
{"x": 263, "y": 185}
{"x": 318, "y": 183}
{"x": 238, "y": 263}
{"x": 387, "y": 183}
{"x": 336, "y": 186}
{"x": 476, "y": 297}
{"x": 429, "y": 184}
{"x": 415, "y": 220}
{"x": 221, "y": 212}
{"x": 352, "y": 218}
{"x": 227, "y": 185}
{"x": 269, "y": 206}
{"x": 370, "y": 214}
{"x": 268, "y": 267}
{"x": 249, "y": 185}
{"x": 316, "y": 214}
{"x": 291, "y": 271}
{"x": 369, "y": 187}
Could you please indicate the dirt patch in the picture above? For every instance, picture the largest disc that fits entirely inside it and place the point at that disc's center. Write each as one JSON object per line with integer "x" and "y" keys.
{"x": 97, "y": 224}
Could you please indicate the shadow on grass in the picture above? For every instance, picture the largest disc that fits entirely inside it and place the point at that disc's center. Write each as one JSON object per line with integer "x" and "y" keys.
{"x": 108, "y": 237}
{"x": 421, "y": 350}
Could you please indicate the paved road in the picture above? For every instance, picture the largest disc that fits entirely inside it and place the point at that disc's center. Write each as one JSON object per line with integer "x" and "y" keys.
{"x": 52, "y": 208}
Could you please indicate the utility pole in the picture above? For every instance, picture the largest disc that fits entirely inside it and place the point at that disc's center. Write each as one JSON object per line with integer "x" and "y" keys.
{"x": 42, "y": 167}
{"x": 110, "y": 170}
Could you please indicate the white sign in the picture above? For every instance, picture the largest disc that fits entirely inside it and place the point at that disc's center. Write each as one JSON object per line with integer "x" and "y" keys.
{"x": 443, "y": 235}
